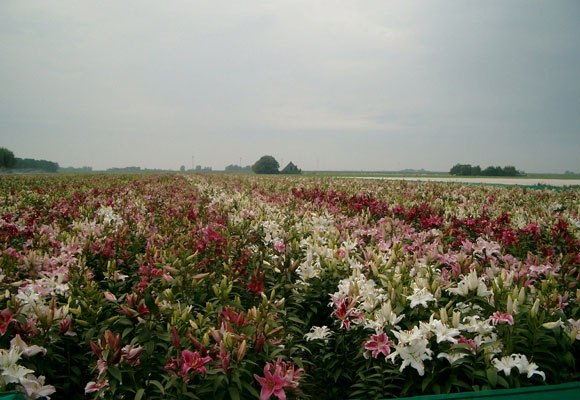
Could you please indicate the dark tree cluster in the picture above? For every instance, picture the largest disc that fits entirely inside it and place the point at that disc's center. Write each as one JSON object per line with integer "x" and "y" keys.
{"x": 266, "y": 165}
{"x": 269, "y": 165}
{"x": 30, "y": 163}
{"x": 468, "y": 170}
{"x": 8, "y": 161}
{"x": 74, "y": 170}
{"x": 238, "y": 168}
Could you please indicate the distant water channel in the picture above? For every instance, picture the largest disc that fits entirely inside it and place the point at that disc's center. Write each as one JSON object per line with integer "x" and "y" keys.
{"x": 490, "y": 181}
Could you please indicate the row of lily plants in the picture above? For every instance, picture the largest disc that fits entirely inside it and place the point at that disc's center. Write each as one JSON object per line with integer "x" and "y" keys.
{"x": 235, "y": 287}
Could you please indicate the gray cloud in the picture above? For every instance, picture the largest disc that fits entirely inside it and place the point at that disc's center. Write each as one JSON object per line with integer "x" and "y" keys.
{"x": 372, "y": 85}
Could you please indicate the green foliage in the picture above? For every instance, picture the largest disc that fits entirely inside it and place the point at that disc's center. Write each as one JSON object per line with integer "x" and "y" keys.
{"x": 161, "y": 265}
{"x": 266, "y": 165}
{"x": 7, "y": 159}
{"x": 468, "y": 170}
{"x": 42, "y": 165}
{"x": 238, "y": 168}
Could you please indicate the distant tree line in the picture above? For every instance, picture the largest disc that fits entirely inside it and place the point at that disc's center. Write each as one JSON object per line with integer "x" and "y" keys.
{"x": 125, "y": 169}
{"x": 30, "y": 163}
{"x": 74, "y": 170}
{"x": 468, "y": 170}
{"x": 238, "y": 168}
{"x": 9, "y": 161}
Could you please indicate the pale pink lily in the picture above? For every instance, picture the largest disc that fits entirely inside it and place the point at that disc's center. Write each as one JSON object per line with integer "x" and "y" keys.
{"x": 35, "y": 387}
{"x": 95, "y": 386}
{"x": 26, "y": 350}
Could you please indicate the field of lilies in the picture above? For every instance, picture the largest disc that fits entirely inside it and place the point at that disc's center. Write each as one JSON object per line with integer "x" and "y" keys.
{"x": 242, "y": 287}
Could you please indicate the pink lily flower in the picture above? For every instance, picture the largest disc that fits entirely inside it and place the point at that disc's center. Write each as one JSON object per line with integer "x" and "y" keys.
{"x": 378, "y": 344}
{"x": 499, "y": 318}
{"x": 5, "y": 320}
{"x": 272, "y": 383}
{"x": 193, "y": 361}
{"x": 283, "y": 377}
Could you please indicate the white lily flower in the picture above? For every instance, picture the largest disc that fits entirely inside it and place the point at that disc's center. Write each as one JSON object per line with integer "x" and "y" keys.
{"x": 505, "y": 364}
{"x": 471, "y": 283}
{"x": 520, "y": 361}
{"x": 412, "y": 348}
{"x": 453, "y": 357}
{"x": 575, "y": 325}
{"x": 15, "y": 373}
{"x": 9, "y": 357}
{"x": 318, "y": 333}
{"x": 386, "y": 316}
{"x": 35, "y": 387}
{"x": 26, "y": 350}
{"x": 421, "y": 297}
{"x": 443, "y": 332}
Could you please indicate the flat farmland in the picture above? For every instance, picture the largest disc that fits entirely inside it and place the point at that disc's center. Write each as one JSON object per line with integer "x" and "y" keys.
{"x": 532, "y": 181}
{"x": 245, "y": 286}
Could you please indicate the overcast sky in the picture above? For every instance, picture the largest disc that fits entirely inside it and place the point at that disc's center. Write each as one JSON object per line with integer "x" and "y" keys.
{"x": 339, "y": 85}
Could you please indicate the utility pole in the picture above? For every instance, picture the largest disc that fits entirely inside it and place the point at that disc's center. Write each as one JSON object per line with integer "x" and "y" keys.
{"x": 192, "y": 162}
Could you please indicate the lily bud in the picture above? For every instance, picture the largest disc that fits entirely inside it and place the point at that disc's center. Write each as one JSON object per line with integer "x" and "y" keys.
{"x": 572, "y": 334}
{"x": 535, "y": 307}
{"x": 171, "y": 270}
{"x": 275, "y": 331}
{"x": 389, "y": 309}
{"x": 228, "y": 339}
{"x": 552, "y": 325}
{"x": 437, "y": 293}
{"x": 117, "y": 356}
{"x": 175, "y": 338}
{"x": 215, "y": 334}
{"x": 390, "y": 263}
{"x": 499, "y": 281}
{"x": 510, "y": 305}
{"x": 110, "y": 296}
{"x": 443, "y": 315}
{"x": 242, "y": 348}
{"x": 522, "y": 295}
{"x": 510, "y": 278}
{"x": 96, "y": 349}
{"x": 456, "y": 317}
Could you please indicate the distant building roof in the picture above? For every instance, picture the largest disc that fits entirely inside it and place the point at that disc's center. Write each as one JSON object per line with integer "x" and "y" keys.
{"x": 291, "y": 169}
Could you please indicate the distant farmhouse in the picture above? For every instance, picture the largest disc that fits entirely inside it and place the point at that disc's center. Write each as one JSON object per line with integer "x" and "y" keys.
{"x": 291, "y": 169}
